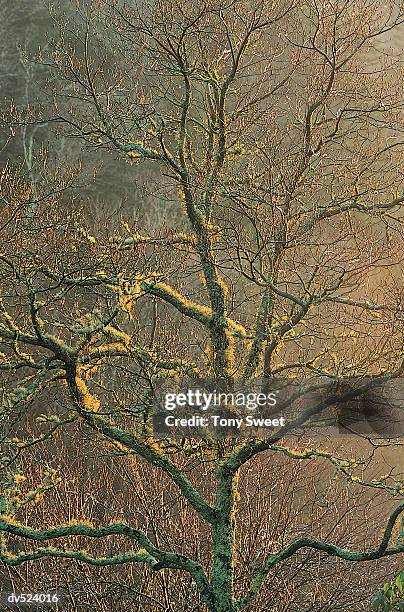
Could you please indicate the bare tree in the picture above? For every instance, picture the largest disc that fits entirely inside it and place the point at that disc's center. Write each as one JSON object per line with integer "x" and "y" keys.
{"x": 280, "y": 143}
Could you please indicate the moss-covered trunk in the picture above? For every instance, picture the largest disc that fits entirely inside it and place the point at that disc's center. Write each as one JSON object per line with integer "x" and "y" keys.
{"x": 223, "y": 542}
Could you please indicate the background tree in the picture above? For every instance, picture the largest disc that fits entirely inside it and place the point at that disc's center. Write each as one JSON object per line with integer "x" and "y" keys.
{"x": 278, "y": 143}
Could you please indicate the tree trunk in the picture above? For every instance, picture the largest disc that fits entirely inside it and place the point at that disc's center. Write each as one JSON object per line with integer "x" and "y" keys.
{"x": 223, "y": 542}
